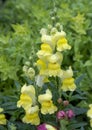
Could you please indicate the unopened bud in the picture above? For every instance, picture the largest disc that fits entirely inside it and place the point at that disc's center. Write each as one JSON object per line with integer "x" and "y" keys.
{"x": 65, "y": 103}
{"x": 27, "y": 63}
{"x": 70, "y": 114}
{"x": 59, "y": 100}
{"x": 25, "y": 68}
{"x": 61, "y": 115}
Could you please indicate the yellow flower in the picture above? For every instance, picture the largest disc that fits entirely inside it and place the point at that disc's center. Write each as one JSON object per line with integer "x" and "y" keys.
{"x": 1, "y": 110}
{"x": 57, "y": 57}
{"x": 32, "y": 117}
{"x": 41, "y": 79}
{"x": 68, "y": 84}
{"x": 89, "y": 113}
{"x": 68, "y": 73}
{"x": 54, "y": 69}
{"x": 25, "y": 101}
{"x": 47, "y": 105}
{"x": 49, "y": 127}
{"x": 62, "y": 44}
{"x": 46, "y": 39}
{"x": 42, "y": 67}
{"x": 45, "y": 51}
{"x": 2, "y": 119}
{"x": 58, "y": 35}
{"x": 30, "y": 91}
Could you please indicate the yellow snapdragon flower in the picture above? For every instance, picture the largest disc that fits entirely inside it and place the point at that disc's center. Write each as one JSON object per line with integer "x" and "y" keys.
{"x": 25, "y": 101}
{"x": 49, "y": 127}
{"x": 29, "y": 90}
{"x": 57, "y": 57}
{"x": 89, "y": 113}
{"x": 62, "y": 44}
{"x": 32, "y": 116}
{"x": 45, "y": 51}
{"x": 41, "y": 79}
{"x": 42, "y": 67}
{"x": 67, "y": 74}
{"x": 68, "y": 84}
{"x": 47, "y": 105}
{"x": 54, "y": 69}
{"x": 2, "y": 117}
{"x": 58, "y": 35}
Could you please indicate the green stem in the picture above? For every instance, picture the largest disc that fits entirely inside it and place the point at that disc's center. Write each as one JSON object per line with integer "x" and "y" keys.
{"x": 63, "y": 124}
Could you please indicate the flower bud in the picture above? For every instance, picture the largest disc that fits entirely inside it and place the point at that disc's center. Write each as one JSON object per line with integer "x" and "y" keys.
{"x": 61, "y": 115}
{"x": 53, "y": 18}
{"x": 70, "y": 114}
{"x": 59, "y": 100}
{"x": 65, "y": 103}
{"x": 53, "y": 30}
{"x": 25, "y": 68}
{"x": 27, "y": 63}
{"x": 31, "y": 72}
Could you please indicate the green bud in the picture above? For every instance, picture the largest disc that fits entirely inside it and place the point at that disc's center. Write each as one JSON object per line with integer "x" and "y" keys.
{"x": 27, "y": 63}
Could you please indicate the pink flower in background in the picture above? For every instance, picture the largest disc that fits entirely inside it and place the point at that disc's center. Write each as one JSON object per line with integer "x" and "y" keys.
{"x": 61, "y": 115}
{"x": 70, "y": 114}
{"x": 45, "y": 126}
{"x": 42, "y": 127}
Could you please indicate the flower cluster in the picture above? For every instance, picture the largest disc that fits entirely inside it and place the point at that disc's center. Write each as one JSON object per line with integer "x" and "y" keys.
{"x": 89, "y": 114}
{"x": 49, "y": 65}
{"x": 2, "y": 117}
{"x": 68, "y": 114}
{"x": 29, "y": 102}
{"x": 50, "y": 56}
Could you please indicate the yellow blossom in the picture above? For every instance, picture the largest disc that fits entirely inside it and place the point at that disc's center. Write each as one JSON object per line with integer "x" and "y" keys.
{"x": 1, "y": 110}
{"x": 2, "y": 119}
{"x": 89, "y": 113}
{"x": 68, "y": 84}
{"x": 41, "y": 79}
{"x": 68, "y": 73}
{"x": 46, "y": 50}
{"x": 46, "y": 39}
{"x": 57, "y": 57}
{"x": 54, "y": 69}
{"x": 58, "y": 35}
{"x": 32, "y": 117}
{"x": 47, "y": 105}
{"x": 62, "y": 44}
{"x": 29, "y": 90}
{"x": 25, "y": 101}
{"x": 49, "y": 127}
{"x": 42, "y": 67}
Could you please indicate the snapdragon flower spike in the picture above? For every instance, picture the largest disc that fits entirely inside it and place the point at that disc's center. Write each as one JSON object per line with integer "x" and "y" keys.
{"x": 61, "y": 115}
{"x": 70, "y": 114}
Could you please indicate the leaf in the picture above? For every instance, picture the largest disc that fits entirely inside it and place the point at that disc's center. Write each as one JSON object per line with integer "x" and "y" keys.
{"x": 77, "y": 125}
{"x": 77, "y": 96}
{"x": 79, "y": 110}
